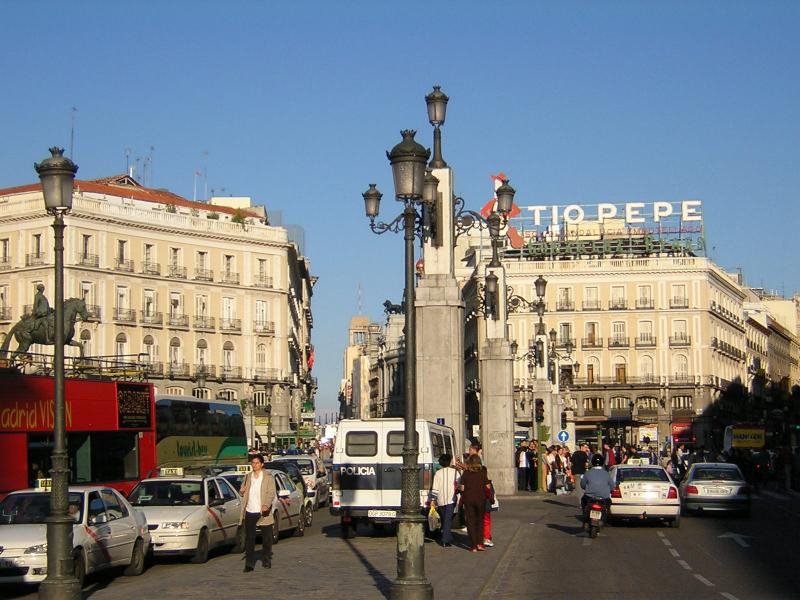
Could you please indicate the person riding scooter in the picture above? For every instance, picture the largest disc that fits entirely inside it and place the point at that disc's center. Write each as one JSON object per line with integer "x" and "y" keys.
{"x": 596, "y": 483}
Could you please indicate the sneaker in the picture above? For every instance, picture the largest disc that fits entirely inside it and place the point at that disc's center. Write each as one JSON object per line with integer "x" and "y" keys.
{"x": 481, "y": 548}
{"x": 489, "y": 543}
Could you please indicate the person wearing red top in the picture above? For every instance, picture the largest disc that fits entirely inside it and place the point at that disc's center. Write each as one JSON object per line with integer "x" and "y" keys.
{"x": 609, "y": 456}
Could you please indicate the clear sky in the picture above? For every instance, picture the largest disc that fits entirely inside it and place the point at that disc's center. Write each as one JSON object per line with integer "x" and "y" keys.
{"x": 294, "y": 104}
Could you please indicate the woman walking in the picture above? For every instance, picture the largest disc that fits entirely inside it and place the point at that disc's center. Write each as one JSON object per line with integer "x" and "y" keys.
{"x": 474, "y": 484}
{"x": 258, "y": 493}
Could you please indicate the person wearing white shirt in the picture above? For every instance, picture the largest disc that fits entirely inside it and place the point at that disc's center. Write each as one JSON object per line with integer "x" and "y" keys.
{"x": 443, "y": 496}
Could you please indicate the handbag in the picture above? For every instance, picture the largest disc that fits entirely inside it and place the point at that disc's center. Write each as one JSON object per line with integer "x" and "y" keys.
{"x": 560, "y": 480}
{"x": 434, "y": 520}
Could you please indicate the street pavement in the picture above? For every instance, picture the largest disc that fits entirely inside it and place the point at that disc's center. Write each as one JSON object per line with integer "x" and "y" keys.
{"x": 541, "y": 552}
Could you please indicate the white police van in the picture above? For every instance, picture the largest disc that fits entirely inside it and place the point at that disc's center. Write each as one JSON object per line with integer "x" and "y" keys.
{"x": 367, "y": 457}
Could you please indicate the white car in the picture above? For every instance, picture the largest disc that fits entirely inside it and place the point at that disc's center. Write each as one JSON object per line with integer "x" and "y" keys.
{"x": 190, "y": 515}
{"x": 644, "y": 492}
{"x": 108, "y": 532}
{"x": 314, "y": 474}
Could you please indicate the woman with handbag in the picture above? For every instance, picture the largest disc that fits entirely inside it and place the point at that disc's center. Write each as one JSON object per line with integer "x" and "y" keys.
{"x": 474, "y": 484}
{"x": 258, "y": 494}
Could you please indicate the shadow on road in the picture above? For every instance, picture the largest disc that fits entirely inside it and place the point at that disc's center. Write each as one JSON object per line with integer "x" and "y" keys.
{"x": 382, "y": 583}
{"x": 557, "y": 503}
{"x": 565, "y": 528}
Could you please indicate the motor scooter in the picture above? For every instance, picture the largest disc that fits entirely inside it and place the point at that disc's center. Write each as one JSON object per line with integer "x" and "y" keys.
{"x": 595, "y": 513}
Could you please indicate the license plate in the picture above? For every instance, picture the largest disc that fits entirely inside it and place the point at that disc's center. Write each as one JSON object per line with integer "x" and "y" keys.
{"x": 718, "y": 491}
{"x": 6, "y": 564}
{"x": 382, "y": 514}
{"x": 595, "y": 515}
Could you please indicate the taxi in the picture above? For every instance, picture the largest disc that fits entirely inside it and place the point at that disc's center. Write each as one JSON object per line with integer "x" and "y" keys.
{"x": 644, "y": 492}
{"x": 108, "y": 532}
{"x": 189, "y": 514}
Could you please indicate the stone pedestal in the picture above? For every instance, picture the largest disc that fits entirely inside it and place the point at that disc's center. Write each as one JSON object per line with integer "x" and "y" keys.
{"x": 497, "y": 414}
{"x": 440, "y": 353}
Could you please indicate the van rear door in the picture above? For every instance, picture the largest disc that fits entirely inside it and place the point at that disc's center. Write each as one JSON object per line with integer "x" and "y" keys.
{"x": 359, "y": 468}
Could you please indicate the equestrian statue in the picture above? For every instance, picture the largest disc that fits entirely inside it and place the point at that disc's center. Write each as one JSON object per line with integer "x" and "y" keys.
{"x": 394, "y": 309}
{"x": 39, "y": 326}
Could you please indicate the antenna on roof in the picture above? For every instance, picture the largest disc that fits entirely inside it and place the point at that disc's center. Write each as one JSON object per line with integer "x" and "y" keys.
{"x": 128, "y": 162}
{"x": 205, "y": 175}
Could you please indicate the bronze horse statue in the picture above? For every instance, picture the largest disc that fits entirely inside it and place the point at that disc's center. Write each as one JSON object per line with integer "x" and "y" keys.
{"x": 394, "y": 309}
{"x": 30, "y": 330}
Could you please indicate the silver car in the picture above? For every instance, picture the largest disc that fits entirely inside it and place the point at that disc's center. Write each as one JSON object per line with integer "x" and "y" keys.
{"x": 715, "y": 487}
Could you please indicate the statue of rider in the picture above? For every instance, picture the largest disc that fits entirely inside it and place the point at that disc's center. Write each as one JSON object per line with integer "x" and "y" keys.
{"x": 42, "y": 311}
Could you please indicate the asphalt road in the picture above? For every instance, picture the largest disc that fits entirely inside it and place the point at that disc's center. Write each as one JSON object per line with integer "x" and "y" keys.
{"x": 541, "y": 552}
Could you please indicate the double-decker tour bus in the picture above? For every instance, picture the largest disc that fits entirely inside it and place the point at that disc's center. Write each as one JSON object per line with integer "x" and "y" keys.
{"x": 111, "y": 430}
{"x": 195, "y": 432}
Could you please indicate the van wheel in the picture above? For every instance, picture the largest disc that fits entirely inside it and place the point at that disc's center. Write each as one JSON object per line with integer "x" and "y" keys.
{"x": 80, "y": 568}
{"x": 136, "y": 566}
{"x": 201, "y": 554}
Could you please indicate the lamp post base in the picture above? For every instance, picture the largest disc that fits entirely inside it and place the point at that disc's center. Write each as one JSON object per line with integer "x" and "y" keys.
{"x": 66, "y": 588}
{"x": 411, "y": 590}
{"x": 411, "y": 583}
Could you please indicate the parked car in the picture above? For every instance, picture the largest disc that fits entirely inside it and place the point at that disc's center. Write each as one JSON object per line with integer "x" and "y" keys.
{"x": 644, "y": 492}
{"x": 190, "y": 515}
{"x": 293, "y": 473}
{"x": 108, "y": 532}
{"x": 715, "y": 487}
{"x": 314, "y": 474}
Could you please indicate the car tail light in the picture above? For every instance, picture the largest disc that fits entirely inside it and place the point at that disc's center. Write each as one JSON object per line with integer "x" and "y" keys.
{"x": 690, "y": 489}
{"x": 615, "y": 493}
{"x": 673, "y": 493}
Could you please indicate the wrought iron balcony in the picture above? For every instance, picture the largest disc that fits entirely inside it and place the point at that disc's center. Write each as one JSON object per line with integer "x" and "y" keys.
{"x": 151, "y": 268}
{"x": 592, "y": 342}
{"x": 204, "y": 275}
{"x": 151, "y": 318}
{"x": 230, "y": 324}
{"x": 645, "y": 341}
{"x": 203, "y": 322}
{"x": 230, "y": 373}
{"x": 565, "y": 305}
{"x": 124, "y": 265}
{"x": 619, "y": 341}
{"x": 153, "y": 369}
{"x": 230, "y": 277}
{"x": 5, "y": 313}
{"x": 95, "y": 312}
{"x": 562, "y": 342}
{"x": 178, "y": 320}
{"x": 680, "y": 339}
{"x": 35, "y": 259}
{"x": 125, "y": 315}
{"x": 88, "y": 260}
{"x": 618, "y": 304}
{"x": 5, "y": 263}
{"x": 177, "y": 369}
{"x": 592, "y": 305}
{"x": 679, "y": 303}
{"x": 267, "y": 374}
{"x": 202, "y": 369}
{"x": 176, "y": 272}
{"x": 645, "y": 303}
{"x": 264, "y": 327}
{"x": 262, "y": 281}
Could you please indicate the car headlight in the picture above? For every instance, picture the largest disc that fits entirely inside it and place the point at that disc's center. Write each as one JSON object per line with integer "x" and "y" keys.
{"x": 37, "y": 549}
{"x": 175, "y": 525}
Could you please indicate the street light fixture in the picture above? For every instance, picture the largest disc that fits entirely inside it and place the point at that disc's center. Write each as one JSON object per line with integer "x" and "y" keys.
{"x": 437, "y": 109}
{"x": 408, "y": 160}
{"x": 57, "y": 174}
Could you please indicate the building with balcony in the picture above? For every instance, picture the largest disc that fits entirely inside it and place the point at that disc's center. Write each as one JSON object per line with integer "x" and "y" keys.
{"x": 213, "y": 299}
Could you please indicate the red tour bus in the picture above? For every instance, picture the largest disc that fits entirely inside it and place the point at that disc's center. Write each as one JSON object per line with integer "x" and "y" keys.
{"x": 110, "y": 430}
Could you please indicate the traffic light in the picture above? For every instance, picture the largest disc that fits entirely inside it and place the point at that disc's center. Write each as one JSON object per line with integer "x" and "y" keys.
{"x": 539, "y": 410}
{"x": 563, "y": 420}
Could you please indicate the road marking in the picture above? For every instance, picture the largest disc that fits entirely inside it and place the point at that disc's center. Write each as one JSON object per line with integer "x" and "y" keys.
{"x": 674, "y": 552}
{"x": 739, "y": 538}
{"x": 685, "y": 565}
{"x": 702, "y": 579}
{"x": 660, "y": 533}
{"x": 727, "y": 595}
{"x": 666, "y": 542}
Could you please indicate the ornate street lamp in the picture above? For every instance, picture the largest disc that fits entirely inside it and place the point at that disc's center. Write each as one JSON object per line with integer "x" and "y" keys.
{"x": 437, "y": 109}
{"x": 408, "y": 160}
{"x": 57, "y": 174}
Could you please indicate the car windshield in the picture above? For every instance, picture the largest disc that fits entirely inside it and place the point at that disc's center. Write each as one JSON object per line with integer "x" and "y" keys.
{"x": 641, "y": 475}
{"x": 306, "y": 466}
{"x": 34, "y": 507}
{"x": 717, "y": 474}
{"x": 167, "y": 493}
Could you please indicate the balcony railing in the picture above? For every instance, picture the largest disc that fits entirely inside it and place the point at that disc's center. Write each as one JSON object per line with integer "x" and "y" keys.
{"x": 266, "y": 374}
{"x": 5, "y": 263}
{"x": 562, "y": 342}
{"x": 154, "y": 369}
{"x": 125, "y": 315}
{"x": 202, "y": 322}
{"x": 204, "y": 275}
{"x": 230, "y": 277}
{"x": 209, "y": 371}
{"x": 644, "y": 303}
{"x": 726, "y": 348}
{"x": 264, "y": 327}
{"x": 124, "y": 265}
{"x": 151, "y": 318}
{"x": 230, "y": 373}
{"x": 230, "y": 324}
{"x": 5, "y": 313}
{"x": 618, "y": 304}
{"x": 619, "y": 341}
{"x": 592, "y": 342}
{"x": 176, "y": 272}
{"x": 176, "y": 320}
{"x": 35, "y": 259}
{"x": 679, "y": 303}
{"x": 95, "y": 312}
{"x": 88, "y": 260}
{"x": 178, "y": 369}
{"x": 680, "y": 340}
{"x": 151, "y": 268}
{"x": 592, "y": 305}
{"x": 645, "y": 341}
{"x": 565, "y": 305}
{"x": 263, "y": 281}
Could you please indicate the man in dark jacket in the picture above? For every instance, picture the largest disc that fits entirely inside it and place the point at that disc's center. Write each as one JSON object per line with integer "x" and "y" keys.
{"x": 579, "y": 460}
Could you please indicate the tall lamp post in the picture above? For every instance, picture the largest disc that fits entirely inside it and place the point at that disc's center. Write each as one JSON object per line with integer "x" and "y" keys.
{"x": 57, "y": 174}
{"x": 408, "y": 160}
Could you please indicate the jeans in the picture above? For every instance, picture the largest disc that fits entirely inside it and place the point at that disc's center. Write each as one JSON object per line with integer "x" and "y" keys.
{"x": 446, "y": 512}
{"x": 250, "y": 520}
{"x": 523, "y": 478}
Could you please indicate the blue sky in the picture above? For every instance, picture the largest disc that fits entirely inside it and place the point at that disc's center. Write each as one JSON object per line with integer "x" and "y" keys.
{"x": 294, "y": 104}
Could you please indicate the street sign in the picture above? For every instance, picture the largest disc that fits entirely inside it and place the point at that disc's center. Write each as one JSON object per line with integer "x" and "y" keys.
{"x": 563, "y": 436}
{"x": 440, "y": 421}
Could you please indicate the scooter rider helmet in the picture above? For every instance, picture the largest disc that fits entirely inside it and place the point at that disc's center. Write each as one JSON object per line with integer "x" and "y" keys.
{"x": 597, "y": 460}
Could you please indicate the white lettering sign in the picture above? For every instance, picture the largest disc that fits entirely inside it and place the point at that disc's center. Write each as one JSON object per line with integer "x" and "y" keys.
{"x": 357, "y": 470}
{"x": 632, "y": 212}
